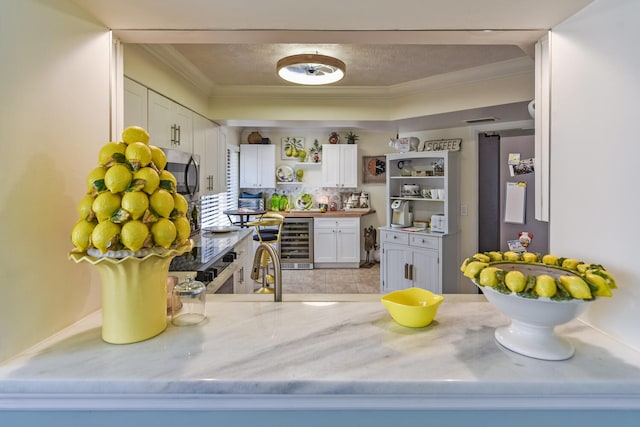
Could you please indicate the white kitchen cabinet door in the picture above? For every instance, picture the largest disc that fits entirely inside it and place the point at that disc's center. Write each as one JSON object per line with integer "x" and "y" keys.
{"x": 348, "y": 242}
{"x": 257, "y": 166}
{"x": 205, "y": 145}
{"x": 340, "y": 165}
{"x": 170, "y": 124}
{"x": 425, "y": 270}
{"x": 183, "y": 120}
{"x": 161, "y": 124}
{"x": 336, "y": 242}
{"x": 135, "y": 104}
{"x": 395, "y": 261}
{"x": 324, "y": 245}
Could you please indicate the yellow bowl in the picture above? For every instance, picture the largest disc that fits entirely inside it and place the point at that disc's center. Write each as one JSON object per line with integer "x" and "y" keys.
{"x": 413, "y": 307}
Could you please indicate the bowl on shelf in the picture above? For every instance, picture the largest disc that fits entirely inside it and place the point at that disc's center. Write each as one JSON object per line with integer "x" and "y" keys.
{"x": 412, "y": 307}
{"x": 531, "y": 331}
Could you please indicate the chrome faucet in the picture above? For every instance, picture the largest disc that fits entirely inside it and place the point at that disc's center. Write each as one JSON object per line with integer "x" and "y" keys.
{"x": 275, "y": 258}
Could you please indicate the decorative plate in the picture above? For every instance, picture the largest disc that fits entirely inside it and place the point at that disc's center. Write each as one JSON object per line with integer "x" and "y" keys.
{"x": 304, "y": 201}
{"x": 285, "y": 174}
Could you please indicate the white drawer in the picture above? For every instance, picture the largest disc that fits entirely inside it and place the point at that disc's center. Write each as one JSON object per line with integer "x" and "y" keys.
{"x": 423, "y": 241}
{"x": 399, "y": 237}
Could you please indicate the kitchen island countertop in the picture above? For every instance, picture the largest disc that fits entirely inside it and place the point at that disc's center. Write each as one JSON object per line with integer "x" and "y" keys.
{"x": 323, "y": 351}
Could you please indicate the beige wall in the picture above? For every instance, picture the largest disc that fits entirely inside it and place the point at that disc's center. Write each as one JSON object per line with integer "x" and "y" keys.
{"x": 55, "y": 117}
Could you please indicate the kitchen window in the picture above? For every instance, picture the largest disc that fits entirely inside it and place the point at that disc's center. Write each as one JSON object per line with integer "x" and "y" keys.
{"x": 213, "y": 205}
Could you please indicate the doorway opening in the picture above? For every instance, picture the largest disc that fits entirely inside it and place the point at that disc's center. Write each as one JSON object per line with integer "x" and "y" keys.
{"x": 505, "y": 159}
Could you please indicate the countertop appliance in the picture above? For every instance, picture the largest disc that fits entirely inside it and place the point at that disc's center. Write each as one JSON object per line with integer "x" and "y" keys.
{"x": 186, "y": 169}
{"x": 438, "y": 223}
{"x": 401, "y": 215}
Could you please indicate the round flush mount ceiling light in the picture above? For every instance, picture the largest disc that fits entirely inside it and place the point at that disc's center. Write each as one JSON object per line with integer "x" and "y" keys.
{"x": 311, "y": 69}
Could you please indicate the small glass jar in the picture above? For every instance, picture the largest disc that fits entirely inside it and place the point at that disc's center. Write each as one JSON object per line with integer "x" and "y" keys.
{"x": 191, "y": 296}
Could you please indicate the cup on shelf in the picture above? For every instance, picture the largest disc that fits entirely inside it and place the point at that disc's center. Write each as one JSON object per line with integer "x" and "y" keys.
{"x": 426, "y": 193}
{"x": 440, "y": 193}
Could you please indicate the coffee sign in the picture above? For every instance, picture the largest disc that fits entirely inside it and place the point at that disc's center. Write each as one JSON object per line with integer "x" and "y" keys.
{"x": 441, "y": 145}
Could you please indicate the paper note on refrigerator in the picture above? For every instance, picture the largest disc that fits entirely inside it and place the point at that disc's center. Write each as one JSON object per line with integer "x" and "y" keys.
{"x": 515, "y": 203}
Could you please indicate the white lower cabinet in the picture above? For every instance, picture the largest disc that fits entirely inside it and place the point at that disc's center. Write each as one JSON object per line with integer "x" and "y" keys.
{"x": 336, "y": 242}
{"x": 410, "y": 260}
{"x": 242, "y": 283}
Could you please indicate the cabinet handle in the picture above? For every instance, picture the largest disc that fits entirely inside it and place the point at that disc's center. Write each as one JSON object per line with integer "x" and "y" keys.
{"x": 178, "y": 135}
{"x": 241, "y": 274}
{"x": 173, "y": 134}
{"x": 406, "y": 270}
{"x": 411, "y": 272}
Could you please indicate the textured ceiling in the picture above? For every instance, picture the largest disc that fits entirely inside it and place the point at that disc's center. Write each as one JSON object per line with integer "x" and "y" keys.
{"x": 217, "y": 43}
{"x": 367, "y": 65}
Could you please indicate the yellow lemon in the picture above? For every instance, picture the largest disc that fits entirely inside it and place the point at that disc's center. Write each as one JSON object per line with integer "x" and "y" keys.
{"x": 151, "y": 178}
{"x": 158, "y": 157}
{"x": 105, "y": 205}
{"x": 183, "y": 228}
{"x": 136, "y": 203}
{"x": 135, "y": 134}
{"x": 570, "y": 263}
{"x": 545, "y": 286}
{"x": 550, "y": 259}
{"x": 495, "y": 256}
{"x": 180, "y": 204}
{"x": 163, "y": 232}
{"x": 473, "y": 268}
{"x": 515, "y": 281}
{"x": 94, "y": 177}
{"x": 529, "y": 257}
{"x": 138, "y": 155}
{"x": 511, "y": 256}
{"x": 489, "y": 277}
{"x": 161, "y": 202}
{"x": 81, "y": 234}
{"x": 107, "y": 152}
{"x": 168, "y": 181}
{"x": 105, "y": 236}
{"x": 118, "y": 178}
{"x": 84, "y": 208}
{"x": 133, "y": 235}
{"x": 577, "y": 287}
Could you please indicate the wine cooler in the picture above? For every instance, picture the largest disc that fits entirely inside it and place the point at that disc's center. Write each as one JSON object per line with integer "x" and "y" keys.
{"x": 296, "y": 244}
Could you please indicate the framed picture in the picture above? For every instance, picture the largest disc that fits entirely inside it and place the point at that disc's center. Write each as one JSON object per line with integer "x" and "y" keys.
{"x": 374, "y": 169}
{"x": 290, "y": 147}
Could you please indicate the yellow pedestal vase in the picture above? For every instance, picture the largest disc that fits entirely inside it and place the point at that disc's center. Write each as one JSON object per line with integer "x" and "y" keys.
{"x": 134, "y": 294}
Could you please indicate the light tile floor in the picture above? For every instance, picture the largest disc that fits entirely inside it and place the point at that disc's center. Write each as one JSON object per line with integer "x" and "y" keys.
{"x": 332, "y": 281}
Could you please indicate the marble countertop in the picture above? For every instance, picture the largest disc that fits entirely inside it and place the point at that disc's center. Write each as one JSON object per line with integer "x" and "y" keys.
{"x": 322, "y": 351}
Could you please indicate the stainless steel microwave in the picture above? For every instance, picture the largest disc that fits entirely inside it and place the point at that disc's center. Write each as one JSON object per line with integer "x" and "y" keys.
{"x": 186, "y": 168}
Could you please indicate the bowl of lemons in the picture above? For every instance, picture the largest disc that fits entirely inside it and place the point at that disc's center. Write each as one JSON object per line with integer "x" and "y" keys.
{"x": 537, "y": 293}
{"x": 412, "y": 307}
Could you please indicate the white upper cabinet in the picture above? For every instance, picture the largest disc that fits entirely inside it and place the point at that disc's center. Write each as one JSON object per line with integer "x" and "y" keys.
{"x": 340, "y": 165}
{"x": 135, "y": 104}
{"x": 206, "y": 146}
{"x": 170, "y": 124}
{"x": 257, "y": 166}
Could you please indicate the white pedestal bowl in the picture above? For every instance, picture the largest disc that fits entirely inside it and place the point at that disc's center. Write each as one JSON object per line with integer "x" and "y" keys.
{"x": 533, "y": 321}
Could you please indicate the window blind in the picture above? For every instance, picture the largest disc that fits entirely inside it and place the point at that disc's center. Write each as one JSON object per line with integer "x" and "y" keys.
{"x": 213, "y": 206}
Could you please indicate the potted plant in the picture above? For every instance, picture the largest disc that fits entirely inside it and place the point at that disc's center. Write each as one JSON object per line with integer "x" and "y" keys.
{"x": 351, "y": 138}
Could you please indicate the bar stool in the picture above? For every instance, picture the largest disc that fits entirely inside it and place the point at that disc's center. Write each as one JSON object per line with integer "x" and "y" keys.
{"x": 268, "y": 230}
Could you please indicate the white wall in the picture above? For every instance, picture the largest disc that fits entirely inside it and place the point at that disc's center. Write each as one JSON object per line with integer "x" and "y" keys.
{"x": 594, "y": 152}
{"x": 55, "y": 117}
